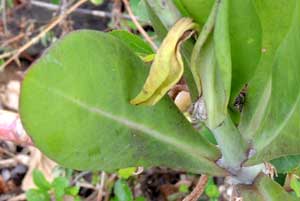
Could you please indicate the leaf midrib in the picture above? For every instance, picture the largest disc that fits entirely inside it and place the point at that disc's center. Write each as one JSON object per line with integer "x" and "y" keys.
{"x": 121, "y": 120}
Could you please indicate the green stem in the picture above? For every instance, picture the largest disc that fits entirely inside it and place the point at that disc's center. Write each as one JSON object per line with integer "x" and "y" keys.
{"x": 233, "y": 146}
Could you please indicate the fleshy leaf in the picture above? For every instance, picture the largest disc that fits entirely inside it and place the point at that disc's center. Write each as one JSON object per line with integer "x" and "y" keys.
{"x": 139, "y": 9}
{"x": 222, "y": 49}
{"x": 212, "y": 86}
{"x": 211, "y": 67}
{"x": 181, "y": 7}
{"x": 275, "y": 18}
{"x": 265, "y": 189}
{"x": 286, "y": 164}
{"x": 280, "y": 132}
{"x": 75, "y": 106}
{"x": 198, "y": 9}
{"x": 135, "y": 43}
{"x": 167, "y": 67}
{"x": 295, "y": 184}
{"x": 245, "y": 38}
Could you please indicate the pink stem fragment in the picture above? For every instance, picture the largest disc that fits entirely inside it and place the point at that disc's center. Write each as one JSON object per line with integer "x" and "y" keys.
{"x": 11, "y": 129}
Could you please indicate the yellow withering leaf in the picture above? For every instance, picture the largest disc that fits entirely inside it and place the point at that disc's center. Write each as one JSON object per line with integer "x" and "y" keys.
{"x": 167, "y": 67}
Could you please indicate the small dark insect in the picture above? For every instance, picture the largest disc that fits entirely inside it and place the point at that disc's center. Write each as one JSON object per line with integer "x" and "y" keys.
{"x": 240, "y": 100}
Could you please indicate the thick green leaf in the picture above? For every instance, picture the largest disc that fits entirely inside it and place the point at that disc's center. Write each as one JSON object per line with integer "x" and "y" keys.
{"x": 295, "y": 185}
{"x": 214, "y": 69}
{"x": 245, "y": 44}
{"x": 286, "y": 164}
{"x": 222, "y": 49}
{"x": 75, "y": 105}
{"x": 276, "y": 18}
{"x": 245, "y": 41}
{"x": 280, "y": 134}
{"x": 139, "y": 9}
{"x": 248, "y": 193}
{"x": 122, "y": 191}
{"x": 212, "y": 85}
{"x": 181, "y": 8}
{"x": 198, "y": 9}
{"x": 135, "y": 43}
{"x": 270, "y": 190}
{"x": 265, "y": 189}
{"x": 211, "y": 64}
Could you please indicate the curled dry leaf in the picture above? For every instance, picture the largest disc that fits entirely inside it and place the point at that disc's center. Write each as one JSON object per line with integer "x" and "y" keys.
{"x": 167, "y": 67}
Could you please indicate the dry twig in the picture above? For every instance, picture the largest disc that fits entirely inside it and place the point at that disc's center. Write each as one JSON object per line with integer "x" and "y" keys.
{"x": 50, "y": 26}
{"x": 198, "y": 190}
{"x": 8, "y": 153}
{"x": 5, "y": 55}
{"x": 138, "y": 25}
{"x": 12, "y": 162}
{"x": 4, "y": 16}
{"x": 101, "y": 187}
{"x": 20, "y": 197}
{"x": 79, "y": 176}
{"x": 96, "y": 13}
{"x": 12, "y": 40}
{"x": 110, "y": 180}
{"x": 116, "y": 12}
{"x": 86, "y": 185}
